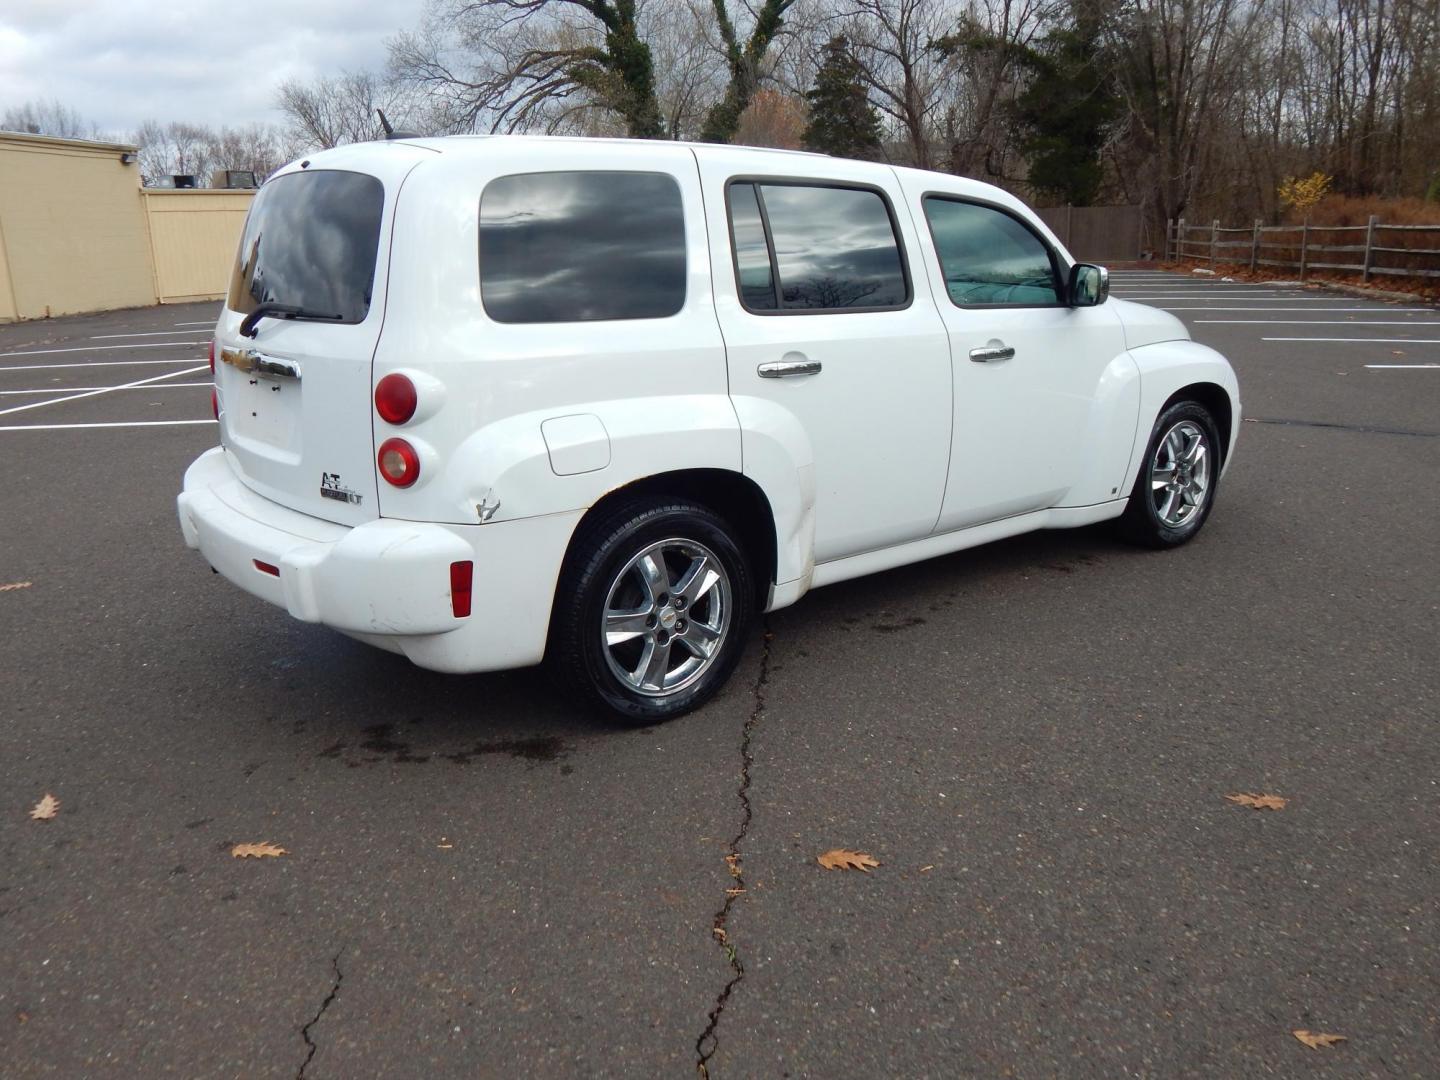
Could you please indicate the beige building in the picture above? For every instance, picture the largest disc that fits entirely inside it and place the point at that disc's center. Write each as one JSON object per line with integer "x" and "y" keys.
{"x": 77, "y": 232}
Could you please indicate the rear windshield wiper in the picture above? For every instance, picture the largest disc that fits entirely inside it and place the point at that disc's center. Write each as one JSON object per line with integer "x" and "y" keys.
{"x": 285, "y": 311}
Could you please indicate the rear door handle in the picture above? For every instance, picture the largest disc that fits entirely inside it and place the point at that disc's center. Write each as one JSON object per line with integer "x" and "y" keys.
{"x": 783, "y": 369}
{"x": 250, "y": 362}
{"x": 993, "y": 350}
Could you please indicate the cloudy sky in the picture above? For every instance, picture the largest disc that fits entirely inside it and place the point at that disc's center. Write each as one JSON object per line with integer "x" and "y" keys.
{"x": 121, "y": 62}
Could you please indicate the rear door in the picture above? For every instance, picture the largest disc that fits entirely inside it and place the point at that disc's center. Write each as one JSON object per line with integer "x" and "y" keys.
{"x": 295, "y": 399}
{"x": 821, "y": 318}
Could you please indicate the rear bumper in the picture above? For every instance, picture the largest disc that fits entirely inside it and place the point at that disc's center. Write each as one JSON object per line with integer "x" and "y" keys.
{"x": 387, "y": 581}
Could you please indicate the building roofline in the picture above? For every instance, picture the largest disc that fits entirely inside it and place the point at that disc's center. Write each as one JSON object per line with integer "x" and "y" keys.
{"x": 26, "y": 138}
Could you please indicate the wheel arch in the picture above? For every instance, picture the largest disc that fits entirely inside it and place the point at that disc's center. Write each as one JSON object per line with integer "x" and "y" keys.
{"x": 1216, "y": 400}
{"x": 732, "y": 495}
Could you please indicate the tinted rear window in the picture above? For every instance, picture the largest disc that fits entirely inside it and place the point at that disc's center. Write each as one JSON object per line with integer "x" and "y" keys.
{"x": 311, "y": 240}
{"x": 581, "y": 246}
{"x": 836, "y": 248}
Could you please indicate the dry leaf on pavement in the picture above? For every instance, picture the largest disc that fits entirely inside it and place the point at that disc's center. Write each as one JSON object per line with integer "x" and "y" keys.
{"x": 845, "y": 859}
{"x": 1316, "y": 1039}
{"x": 1258, "y": 802}
{"x": 264, "y": 850}
{"x": 46, "y": 808}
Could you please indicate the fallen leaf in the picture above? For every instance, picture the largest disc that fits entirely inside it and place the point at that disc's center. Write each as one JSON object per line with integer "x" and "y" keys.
{"x": 16, "y": 585}
{"x": 733, "y": 862}
{"x": 1258, "y": 802}
{"x": 845, "y": 859}
{"x": 927, "y": 869}
{"x": 1317, "y": 1039}
{"x": 263, "y": 850}
{"x": 46, "y": 808}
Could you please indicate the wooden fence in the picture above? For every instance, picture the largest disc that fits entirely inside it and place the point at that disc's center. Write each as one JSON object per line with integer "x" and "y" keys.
{"x": 1097, "y": 233}
{"x": 1297, "y": 246}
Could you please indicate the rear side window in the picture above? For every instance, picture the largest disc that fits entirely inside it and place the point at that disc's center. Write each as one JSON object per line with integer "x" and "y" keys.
{"x": 833, "y": 248}
{"x": 582, "y": 246}
{"x": 989, "y": 257}
{"x": 311, "y": 241}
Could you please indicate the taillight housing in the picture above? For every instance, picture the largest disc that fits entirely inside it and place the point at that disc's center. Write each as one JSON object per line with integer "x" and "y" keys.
{"x": 212, "y": 356}
{"x": 399, "y": 463}
{"x": 395, "y": 398}
{"x": 215, "y": 403}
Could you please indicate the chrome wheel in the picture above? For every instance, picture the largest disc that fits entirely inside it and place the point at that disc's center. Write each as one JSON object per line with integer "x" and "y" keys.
{"x": 1180, "y": 474}
{"x": 666, "y": 617}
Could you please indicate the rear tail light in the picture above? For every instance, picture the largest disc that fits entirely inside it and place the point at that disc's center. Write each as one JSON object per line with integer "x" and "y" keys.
{"x": 215, "y": 403}
{"x": 212, "y": 356}
{"x": 399, "y": 463}
{"x": 461, "y": 576}
{"x": 395, "y": 399}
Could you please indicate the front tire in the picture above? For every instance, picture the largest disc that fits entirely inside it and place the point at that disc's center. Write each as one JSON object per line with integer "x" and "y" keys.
{"x": 652, "y": 610}
{"x": 1176, "y": 486}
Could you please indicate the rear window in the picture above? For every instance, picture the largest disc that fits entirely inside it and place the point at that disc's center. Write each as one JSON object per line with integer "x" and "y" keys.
{"x": 311, "y": 240}
{"x": 582, "y": 246}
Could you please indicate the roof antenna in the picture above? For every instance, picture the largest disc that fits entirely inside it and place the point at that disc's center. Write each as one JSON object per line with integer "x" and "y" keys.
{"x": 391, "y": 133}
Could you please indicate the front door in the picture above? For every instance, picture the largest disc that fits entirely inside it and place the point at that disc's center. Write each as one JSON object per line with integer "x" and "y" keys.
{"x": 823, "y": 328}
{"x": 1029, "y": 369}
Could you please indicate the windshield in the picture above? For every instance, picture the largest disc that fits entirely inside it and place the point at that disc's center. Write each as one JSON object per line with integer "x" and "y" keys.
{"x": 311, "y": 241}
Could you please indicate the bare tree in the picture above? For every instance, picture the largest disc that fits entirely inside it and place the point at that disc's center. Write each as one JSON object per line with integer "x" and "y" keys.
{"x": 745, "y": 63}
{"x": 518, "y": 64}
{"x": 339, "y": 109}
{"x": 47, "y": 118}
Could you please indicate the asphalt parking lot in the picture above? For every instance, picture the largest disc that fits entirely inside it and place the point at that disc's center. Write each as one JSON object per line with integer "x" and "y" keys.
{"x": 1035, "y": 739}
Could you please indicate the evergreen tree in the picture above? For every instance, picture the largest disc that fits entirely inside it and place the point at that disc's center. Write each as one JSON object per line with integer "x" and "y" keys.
{"x": 843, "y": 123}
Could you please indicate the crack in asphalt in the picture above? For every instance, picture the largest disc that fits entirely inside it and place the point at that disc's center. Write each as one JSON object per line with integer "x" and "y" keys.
{"x": 709, "y": 1040}
{"x": 329, "y": 999}
{"x": 1361, "y": 428}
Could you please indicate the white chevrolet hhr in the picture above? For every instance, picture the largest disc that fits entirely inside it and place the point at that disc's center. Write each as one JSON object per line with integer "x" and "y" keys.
{"x": 488, "y": 400}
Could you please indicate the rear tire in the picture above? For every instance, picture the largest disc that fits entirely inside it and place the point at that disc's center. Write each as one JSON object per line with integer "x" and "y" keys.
{"x": 652, "y": 610}
{"x": 1175, "y": 490}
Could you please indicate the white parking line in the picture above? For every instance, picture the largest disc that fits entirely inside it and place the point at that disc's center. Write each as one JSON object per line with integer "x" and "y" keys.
{"x": 1372, "y": 308}
{"x": 151, "y": 333}
{"x": 1363, "y": 340}
{"x": 95, "y": 363}
{"x": 103, "y": 390}
{"x": 207, "y": 322}
{"x": 126, "y": 423}
{"x": 1319, "y": 322}
{"x": 1405, "y": 367}
{"x": 98, "y": 348}
{"x": 64, "y": 389}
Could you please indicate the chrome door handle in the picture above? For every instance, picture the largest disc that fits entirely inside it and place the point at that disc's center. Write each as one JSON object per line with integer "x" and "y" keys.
{"x": 250, "y": 362}
{"x": 995, "y": 350}
{"x": 783, "y": 369}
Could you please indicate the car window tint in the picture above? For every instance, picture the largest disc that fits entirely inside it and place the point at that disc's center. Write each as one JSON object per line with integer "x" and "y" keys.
{"x": 581, "y": 246}
{"x": 835, "y": 247}
{"x": 311, "y": 240}
{"x": 752, "y": 254}
{"x": 988, "y": 257}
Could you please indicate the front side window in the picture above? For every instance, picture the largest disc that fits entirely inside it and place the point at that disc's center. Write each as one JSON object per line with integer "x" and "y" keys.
{"x": 311, "y": 241}
{"x": 989, "y": 257}
{"x": 835, "y": 248}
{"x": 581, "y": 246}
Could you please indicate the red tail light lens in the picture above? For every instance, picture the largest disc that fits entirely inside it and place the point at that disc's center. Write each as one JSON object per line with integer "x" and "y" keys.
{"x": 395, "y": 399}
{"x": 215, "y": 403}
{"x": 461, "y": 575}
{"x": 399, "y": 464}
{"x": 212, "y": 356}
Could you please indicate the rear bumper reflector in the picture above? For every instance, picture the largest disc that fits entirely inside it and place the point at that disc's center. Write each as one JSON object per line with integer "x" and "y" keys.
{"x": 267, "y": 568}
{"x": 461, "y": 576}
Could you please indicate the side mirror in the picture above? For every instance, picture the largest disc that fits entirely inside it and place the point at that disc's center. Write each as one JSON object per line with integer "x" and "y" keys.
{"x": 1089, "y": 285}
